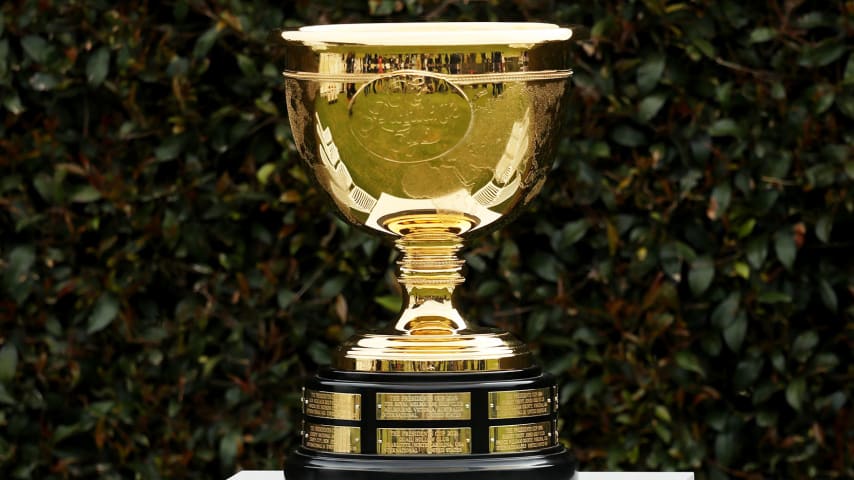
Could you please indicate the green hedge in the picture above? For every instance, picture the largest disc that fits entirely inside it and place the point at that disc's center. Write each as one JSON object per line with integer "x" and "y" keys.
{"x": 168, "y": 276}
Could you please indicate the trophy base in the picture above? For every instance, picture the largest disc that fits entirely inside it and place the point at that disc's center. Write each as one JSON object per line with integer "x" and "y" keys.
{"x": 555, "y": 463}
{"x": 444, "y": 426}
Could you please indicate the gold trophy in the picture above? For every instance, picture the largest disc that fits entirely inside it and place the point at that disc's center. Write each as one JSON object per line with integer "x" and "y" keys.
{"x": 429, "y": 133}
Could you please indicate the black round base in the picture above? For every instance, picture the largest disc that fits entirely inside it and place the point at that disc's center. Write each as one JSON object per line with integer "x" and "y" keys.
{"x": 430, "y": 426}
{"x": 551, "y": 464}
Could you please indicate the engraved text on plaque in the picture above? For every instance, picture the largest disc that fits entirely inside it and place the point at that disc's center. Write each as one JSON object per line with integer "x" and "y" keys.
{"x": 329, "y": 438}
{"x": 340, "y": 406}
{"x": 520, "y": 403}
{"x": 424, "y": 406}
{"x": 519, "y": 438}
{"x": 423, "y": 441}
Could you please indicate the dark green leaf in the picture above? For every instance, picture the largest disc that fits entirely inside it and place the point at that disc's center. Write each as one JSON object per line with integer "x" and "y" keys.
{"x": 587, "y": 336}
{"x": 650, "y": 106}
{"x": 746, "y": 228}
{"x": 764, "y": 391}
{"x": 546, "y": 266}
{"x": 705, "y": 47}
{"x": 671, "y": 260}
{"x": 814, "y": 19}
{"x": 319, "y": 353}
{"x": 848, "y": 76}
{"x": 724, "y": 313}
{"x": 796, "y": 392}
{"x": 828, "y": 296}
{"x": 824, "y": 100}
{"x": 804, "y": 345}
{"x": 662, "y": 413}
{"x": 822, "y": 54}
{"x": 734, "y": 332}
{"x": 205, "y": 42}
{"x": 724, "y": 127}
{"x": 572, "y": 232}
{"x": 757, "y": 250}
{"x": 333, "y": 286}
{"x": 392, "y": 303}
{"x": 382, "y": 7}
{"x": 628, "y": 136}
{"x": 285, "y": 298}
{"x": 43, "y": 82}
{"x": 12, "y": 102}
{"x": 701, "y": 274}
{"x": 105, "y": 311}
{"x": 536, "y": 323}
{"x": 21, "y": 260}
{"x": 766, "y": 418}
{"x": 85, "y": 194}
{"x": 747, "y": 372}
{"x": 5, "y": 397}
{"x": 229, "y": 445}
{"x": 772, "y": 297}
{"x": 727, "y": 446}
{"x": 823, "y": 227}
{"x": 821, "y": 175}
{"x": 169, "y": 149}
{"x": 722, "y": 195}
{"x": 762, "y": 34}
{"x": 784, "y": 246}
{"x": 178, "y": 67}
{"x": 247, "y": 66}
{"x": 180, "y": 9}
{"x": 8, "y": 362}
{"x": 650, "y": 71}
{"x": 36, "y": 48}
{"x": 98, "y": 66}
{"x": 688, "y": 361}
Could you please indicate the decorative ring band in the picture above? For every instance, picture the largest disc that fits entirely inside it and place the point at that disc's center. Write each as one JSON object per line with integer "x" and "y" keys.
{"x": 458, "y": 79}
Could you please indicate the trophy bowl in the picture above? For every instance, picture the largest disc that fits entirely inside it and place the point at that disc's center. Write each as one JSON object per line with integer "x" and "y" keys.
{"x": 430, "y": 134}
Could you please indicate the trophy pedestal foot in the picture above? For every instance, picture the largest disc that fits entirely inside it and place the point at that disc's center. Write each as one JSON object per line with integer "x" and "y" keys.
{"x": 551, "y": 464}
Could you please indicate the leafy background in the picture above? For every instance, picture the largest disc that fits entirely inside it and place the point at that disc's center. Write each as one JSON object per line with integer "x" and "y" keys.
{"x": 168, "y": 276}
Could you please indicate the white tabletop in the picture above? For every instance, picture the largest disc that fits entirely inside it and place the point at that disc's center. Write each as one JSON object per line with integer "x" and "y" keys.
{"x": 278, "y": 475}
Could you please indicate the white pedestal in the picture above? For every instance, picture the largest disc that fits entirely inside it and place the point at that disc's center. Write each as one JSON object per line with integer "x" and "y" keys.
{"x": 279, "y": 475}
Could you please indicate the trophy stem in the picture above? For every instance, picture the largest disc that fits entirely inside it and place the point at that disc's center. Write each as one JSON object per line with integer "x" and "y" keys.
{"x": 430, "y": 271}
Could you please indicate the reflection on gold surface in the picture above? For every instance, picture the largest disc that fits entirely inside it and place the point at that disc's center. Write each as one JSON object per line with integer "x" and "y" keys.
{"x": 429, "y": 133}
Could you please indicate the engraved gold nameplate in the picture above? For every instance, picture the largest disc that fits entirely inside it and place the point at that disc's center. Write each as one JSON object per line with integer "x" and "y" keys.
{"x": 330, "y": 438}
{"x": 339, "y": 406}
{"x": 520, "y": 403}
{"x": 423, "y": 441}
{"x": 424, "y": 406}
{"x": 519, "y": 438}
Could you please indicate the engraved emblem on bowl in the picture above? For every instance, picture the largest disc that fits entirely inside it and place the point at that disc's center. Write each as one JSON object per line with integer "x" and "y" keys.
{"x": 410, "y": 118}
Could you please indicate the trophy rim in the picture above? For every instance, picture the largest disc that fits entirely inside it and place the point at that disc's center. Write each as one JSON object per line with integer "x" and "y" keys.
{"x": 430, "y": 33}
{"x": 470, "y": 350}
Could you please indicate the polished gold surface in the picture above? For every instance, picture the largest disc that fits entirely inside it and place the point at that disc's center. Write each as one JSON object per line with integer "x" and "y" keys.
{"x": 424, "y": 441}
{"x": 520, "y": 403}
{"x": 478, "y": 351}
{"x": 429, "y": 133}
{"x": 519, "y": 438}
{"x": 339, "y": 406}
{"x": 331, "y": 438}
{"x": 424, "y": 406}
